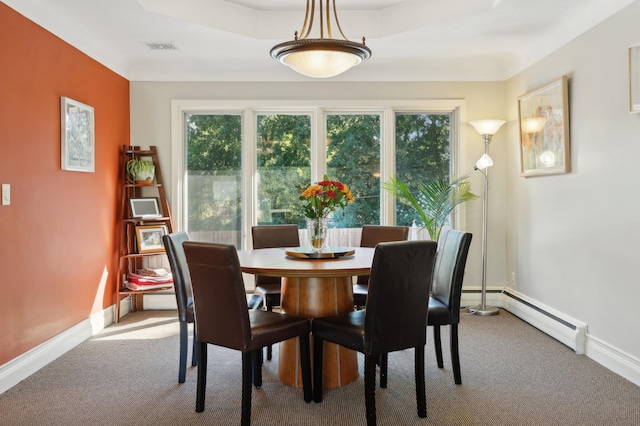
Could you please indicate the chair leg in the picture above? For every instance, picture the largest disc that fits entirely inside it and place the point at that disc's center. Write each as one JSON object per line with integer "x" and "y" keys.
{"x": 245, "y": 417}
{"x": 370, "y": 388}
{"x": 184, "y": 341}
{"x": 455, "y": 355}
{"x": 305, "y": 360}
{"x": 202, "y": 376}
{"x": 438, "y": 345}
{"x": 194, "y": 351}
{"x": 257, "y": 368}
{"x": 269, "y": 350}
{"x": 421, "y": 393}
{"x": 384, "y": 362}
{"x": 317, "y": 368}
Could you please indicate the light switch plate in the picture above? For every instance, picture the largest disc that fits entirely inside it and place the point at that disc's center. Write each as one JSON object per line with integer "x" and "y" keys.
{"x": 6, "y": 194}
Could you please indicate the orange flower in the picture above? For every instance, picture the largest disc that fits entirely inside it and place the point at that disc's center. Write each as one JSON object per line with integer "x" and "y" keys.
{"x": 324, "y": 197}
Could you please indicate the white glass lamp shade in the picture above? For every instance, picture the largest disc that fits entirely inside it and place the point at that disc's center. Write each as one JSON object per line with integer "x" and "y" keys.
{"x": 321, "y": 63}
{"x": 533, "y": 125}
{"x": 548, "y": 158}
{"x": 487, "y": 127}
{"x": 484, "y": 162}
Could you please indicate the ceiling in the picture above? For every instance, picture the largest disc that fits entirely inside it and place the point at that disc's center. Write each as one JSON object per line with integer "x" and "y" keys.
{"x": 229, "y": 40}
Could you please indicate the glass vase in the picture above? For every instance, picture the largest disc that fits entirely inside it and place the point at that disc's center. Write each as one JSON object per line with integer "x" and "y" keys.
{"x": 317, "y": 233}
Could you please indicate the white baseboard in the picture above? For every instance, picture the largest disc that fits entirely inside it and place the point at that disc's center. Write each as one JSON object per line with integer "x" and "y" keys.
{"x": 615, "y": 360}
{"x": 563, "y": 328}
{"x": 18, "y": 369}
{"x": 542, "y": 317}
{"x": 472, "y": 296}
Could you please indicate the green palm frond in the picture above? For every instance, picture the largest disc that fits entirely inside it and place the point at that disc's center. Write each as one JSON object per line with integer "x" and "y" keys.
{"x": 435, "y": 202}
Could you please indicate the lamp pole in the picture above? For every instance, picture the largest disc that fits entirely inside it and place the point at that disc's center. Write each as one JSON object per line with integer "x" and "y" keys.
{"x": 486, "y": 128}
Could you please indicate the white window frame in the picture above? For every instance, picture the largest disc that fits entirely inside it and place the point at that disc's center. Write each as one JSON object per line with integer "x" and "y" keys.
{"x": 250, "y": 109}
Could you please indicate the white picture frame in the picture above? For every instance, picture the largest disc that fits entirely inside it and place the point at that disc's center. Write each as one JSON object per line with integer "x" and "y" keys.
{"x": 545, "y": 147}
{"x": 146, "y": 207}
{"x": 77, "y": 136}
{"x": 634, "y": 79}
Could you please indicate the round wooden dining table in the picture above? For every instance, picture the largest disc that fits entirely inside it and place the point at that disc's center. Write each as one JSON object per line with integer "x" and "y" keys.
{"x": 313, "y": 288}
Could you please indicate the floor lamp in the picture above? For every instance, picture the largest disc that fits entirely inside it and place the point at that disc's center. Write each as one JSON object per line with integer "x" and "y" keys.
{"x": 486, "y": 128}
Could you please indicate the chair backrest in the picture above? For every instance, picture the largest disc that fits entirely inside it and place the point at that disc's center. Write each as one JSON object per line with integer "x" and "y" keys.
{"x": 398, "y": 296}
{"x": 448, "y": 274}
{"x": 180, "y": 272}
{"x": 374, "y": 234}
{"x": 271, "y": 236}
{"x": 219, "y": 301}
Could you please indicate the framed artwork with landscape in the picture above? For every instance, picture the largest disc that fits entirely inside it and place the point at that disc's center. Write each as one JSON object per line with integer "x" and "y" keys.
{"x": 149, "y": 238}
{"x": 544, "y": 130}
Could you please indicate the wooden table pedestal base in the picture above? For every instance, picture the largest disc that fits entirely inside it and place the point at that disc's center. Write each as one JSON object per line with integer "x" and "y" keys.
{"x": 316, "y": 297}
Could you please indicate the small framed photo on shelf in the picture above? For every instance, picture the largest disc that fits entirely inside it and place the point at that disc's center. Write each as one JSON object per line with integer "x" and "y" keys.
{"x": 77, "y": 138}
{"x": 146, "y": 208}
{"x": 149, "y": 238}
{"x": 544, "y": 130}
{"x": 634, "y": 79}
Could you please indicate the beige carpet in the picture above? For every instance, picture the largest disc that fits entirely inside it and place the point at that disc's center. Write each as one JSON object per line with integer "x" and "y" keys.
{"x": 512, "y": 374}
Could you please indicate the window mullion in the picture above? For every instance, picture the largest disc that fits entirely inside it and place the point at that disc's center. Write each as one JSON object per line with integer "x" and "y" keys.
{"x": 249, "y": 166}
{"x": 387, "y": 165}
{"x": 318, "y": 144}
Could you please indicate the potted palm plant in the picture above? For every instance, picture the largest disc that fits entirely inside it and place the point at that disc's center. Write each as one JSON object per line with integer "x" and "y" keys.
{"x": 435, "y": 202}
{"x": 141, "y": 171}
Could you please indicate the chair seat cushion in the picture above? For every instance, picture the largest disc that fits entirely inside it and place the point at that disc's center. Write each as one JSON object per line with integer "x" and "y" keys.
{"x": 254, "y": 301}
{"x": 360, "y": 289}
{"x": 270, "y": 293}
{"x": 345, "y": 329}
{"x": 264, "y": 289}
{"x": 360, "y": 292}
{"x": 438, "y": 313}
{"x": 271, "y": 327}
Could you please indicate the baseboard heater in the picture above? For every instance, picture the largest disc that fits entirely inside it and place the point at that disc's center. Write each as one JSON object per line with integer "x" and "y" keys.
{"x": 563, "y": 328}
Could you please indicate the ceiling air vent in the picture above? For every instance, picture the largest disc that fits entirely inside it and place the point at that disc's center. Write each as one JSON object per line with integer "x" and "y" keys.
{"x": 161, "y": 45}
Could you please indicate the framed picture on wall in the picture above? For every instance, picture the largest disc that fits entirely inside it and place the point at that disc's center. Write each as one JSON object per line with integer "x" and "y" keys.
{"x": 77, "y": 139}
{"x": 544, "y": 130}
{"x": 634, "y": 78}
{"x": 149, "y": 237}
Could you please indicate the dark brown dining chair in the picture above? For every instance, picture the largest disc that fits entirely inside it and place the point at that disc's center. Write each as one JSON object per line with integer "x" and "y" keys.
{"x": 444, "y": 301}
{"x": 446, "y": 291}
{"x": 395, "y": 318}
{"x": 272, "y": 236}
{"x": 372, "y": 235}
{"x": 222, "y": 319}
{"x": 184, "y": 299}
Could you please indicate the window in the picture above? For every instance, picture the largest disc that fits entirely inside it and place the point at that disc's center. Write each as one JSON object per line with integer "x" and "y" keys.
{"x": 241, "y": 166}
{"x": 353, "y": 157}
{"x": 213, "y": 181}
{"x": 423, "y": 152}
{"x": 283, "y": 152}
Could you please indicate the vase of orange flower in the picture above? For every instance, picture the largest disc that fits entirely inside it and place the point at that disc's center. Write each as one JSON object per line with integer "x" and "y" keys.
{"x": 320, "y": 200}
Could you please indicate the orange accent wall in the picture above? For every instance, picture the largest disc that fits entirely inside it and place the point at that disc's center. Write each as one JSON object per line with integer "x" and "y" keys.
{"x": 58, "y": 238}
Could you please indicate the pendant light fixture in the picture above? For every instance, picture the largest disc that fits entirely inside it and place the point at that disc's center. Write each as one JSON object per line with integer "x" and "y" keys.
{"x": 325, "y": 56}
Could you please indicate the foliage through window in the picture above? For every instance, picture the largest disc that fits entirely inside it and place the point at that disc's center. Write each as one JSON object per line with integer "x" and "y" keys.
{"x": 287, "y": 151}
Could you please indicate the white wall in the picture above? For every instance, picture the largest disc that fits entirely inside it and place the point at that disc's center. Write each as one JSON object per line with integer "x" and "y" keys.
{"x": 572, "y": 239}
